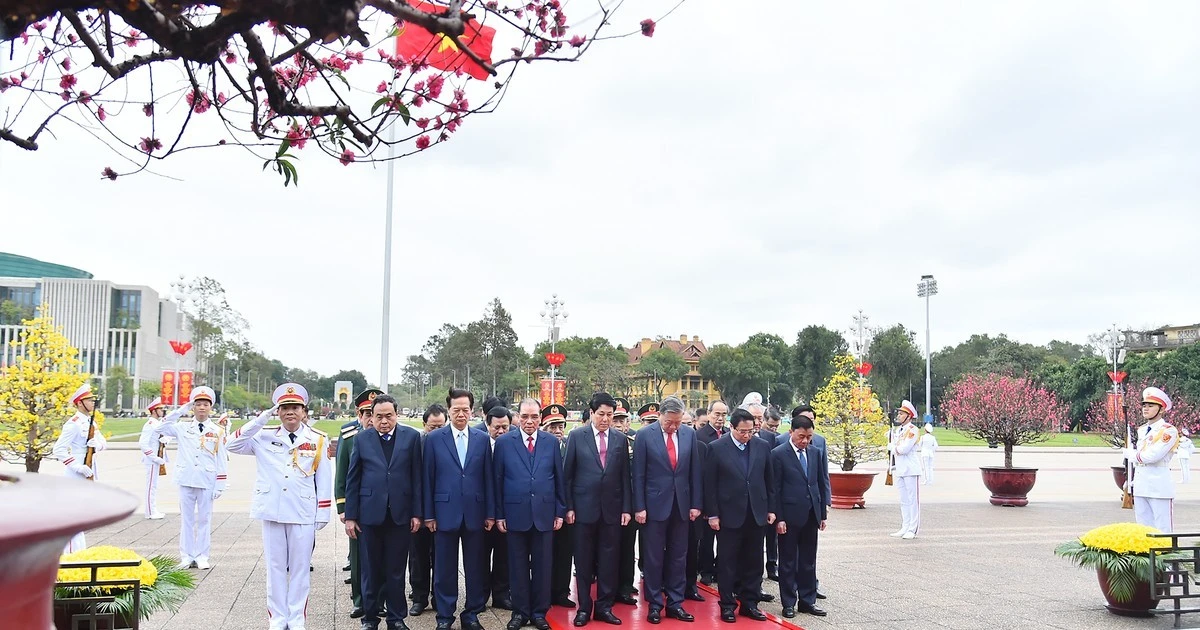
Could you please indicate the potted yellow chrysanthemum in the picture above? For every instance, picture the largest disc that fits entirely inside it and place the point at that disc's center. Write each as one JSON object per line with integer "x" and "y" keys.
{"x": 163, "y": 586}
{"x": 1120, "y": 553}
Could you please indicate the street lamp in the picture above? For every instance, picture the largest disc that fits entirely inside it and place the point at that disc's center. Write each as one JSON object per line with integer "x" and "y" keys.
{"x": 554, "y": 309}
{"x": 927, "y": 288}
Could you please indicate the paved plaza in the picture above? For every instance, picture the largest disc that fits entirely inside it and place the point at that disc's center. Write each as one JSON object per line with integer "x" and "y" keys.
{"x": 974, "y": 566}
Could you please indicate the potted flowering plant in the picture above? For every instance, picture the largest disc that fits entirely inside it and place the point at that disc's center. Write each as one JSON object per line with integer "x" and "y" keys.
{"x": 1120, "y": 554}
{"x": 1008, "y": 410}
{"x": 855, "y": 430}
{"x": 163, "y": 586}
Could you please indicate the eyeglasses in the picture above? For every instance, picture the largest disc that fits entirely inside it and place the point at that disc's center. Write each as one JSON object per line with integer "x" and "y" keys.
{"x": 744, "y": 431}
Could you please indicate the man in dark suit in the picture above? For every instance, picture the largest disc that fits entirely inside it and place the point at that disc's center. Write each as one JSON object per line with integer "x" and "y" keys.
{"x": 529, "y": 506}
{"x": 495, "y": 546}
{"x": 799, "y": 472}
{"x": 383, "y": 506}
{"x": 666, "y": 499}
{"x": 459, "y": 509}
{"x": 769, "y": 431}
{"x": 695, "y": 529}
{"x": 629, "y": 533}
{"x": 420, "y": 561}
{"x": 554, "y": 422}
{"x": 818, "y": 441}
{"x": 599, "y": 500}
{"x": 715, "y": 429}
{"x": 738, "y": 497}
{"x": 488, "y": 403}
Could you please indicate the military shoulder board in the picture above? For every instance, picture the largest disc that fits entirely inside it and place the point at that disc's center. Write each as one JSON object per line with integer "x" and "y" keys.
{"x": 349, "y": 432}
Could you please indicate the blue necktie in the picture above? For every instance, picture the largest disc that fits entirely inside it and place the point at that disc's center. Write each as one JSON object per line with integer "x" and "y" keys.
{"x": 461, "y": 443}
{"x": 804, "y": 463}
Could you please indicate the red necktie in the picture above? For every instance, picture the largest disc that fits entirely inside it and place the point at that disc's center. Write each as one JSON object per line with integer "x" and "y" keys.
{"x": 530, "y": 443}
{"x": 671, "y": 451}
{"x": 603, "y": 450}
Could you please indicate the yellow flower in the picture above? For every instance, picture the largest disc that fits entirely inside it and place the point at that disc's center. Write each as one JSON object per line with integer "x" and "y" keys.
{"x": 1124, "y": 538}
{"x": 146, "y": 573}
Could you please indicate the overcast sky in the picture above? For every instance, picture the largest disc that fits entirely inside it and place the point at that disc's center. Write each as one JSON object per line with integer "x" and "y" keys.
{"x": 741, "y": 171}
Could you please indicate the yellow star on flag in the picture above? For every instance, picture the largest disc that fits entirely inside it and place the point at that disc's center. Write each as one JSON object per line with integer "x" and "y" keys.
{"x": 447, "y": 43}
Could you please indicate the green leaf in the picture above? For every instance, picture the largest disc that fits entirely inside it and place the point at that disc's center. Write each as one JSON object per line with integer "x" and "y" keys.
{"x": 403, "y": 111}
{"x": 380, "y": 103}
{"x": 338, "y": 73}
{"x": 283, "y": 147}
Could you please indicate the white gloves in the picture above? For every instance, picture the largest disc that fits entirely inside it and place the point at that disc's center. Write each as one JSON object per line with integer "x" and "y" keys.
{"x": 321, "y": 525}
{"x": 98, "y": 443}
{"x": 1130, "y": 454}
{"x": 158, "y": 460}
{"x": 217, "y": 494}
{"x": 266, "y": 415}
{"x": 80, "y": 469}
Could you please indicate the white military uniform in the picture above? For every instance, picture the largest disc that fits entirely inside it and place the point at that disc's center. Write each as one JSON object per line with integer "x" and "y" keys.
{"x": 929, "y": 446}
{"x": 907, "y": 471}
{"x": 293, "y": 494}
{"x": 1186, "y": 448}
{"x": 200, "y": 471}
{"x": 154, "y": 455}
{"x": 1153, "y": 488}
{"x": 71, "y": 449}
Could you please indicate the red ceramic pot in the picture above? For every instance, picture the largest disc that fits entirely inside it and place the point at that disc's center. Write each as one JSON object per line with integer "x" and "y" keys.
{"x": 1139, "y": 606}
{"x": 848, "y": 488}
{"x": 1009, "y": 486}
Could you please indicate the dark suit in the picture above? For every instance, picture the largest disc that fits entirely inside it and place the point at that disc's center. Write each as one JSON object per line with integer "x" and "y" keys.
{"x": 598, "y": 495}
{"x": 495, "y": 554}
{"x": 562, "y": 552}
{"x": 739, "y": 489}
{"x": 529, "y": 497}
{"x": 383, "y": 493}
{"x": 460, "y": 499}
{"x": 420, "y": 559}
{"x": 629, "y": 542}
{"x": 772, "y": 541}
{"x": 666, "y": 495}
{"x": 708, "y": 538}
{"x": 800, "y": 504}
{"x": 695, "y": 536}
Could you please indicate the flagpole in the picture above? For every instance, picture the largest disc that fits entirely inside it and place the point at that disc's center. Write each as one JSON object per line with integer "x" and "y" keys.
{"x": 387, "y": 262}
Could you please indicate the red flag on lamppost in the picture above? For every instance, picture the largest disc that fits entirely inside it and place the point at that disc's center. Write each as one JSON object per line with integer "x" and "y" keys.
{"x": 415, "y": 43}
{"x": 1117, "y": 377}
{"x": 863, "y": 369}
{"x": 555, "y": 358}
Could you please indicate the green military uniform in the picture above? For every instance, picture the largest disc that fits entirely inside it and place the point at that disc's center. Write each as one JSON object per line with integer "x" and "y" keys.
{"x": 560, "y": 563}
{"x": 344, "y": 449}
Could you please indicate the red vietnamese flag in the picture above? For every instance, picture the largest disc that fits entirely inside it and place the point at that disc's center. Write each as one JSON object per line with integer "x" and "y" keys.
{"x": 439, "y": 51}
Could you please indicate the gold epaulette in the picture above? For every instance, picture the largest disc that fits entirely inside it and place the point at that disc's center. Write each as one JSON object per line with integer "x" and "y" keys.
{"x": 317, "y": 431}
{"x": 270, "y": 427}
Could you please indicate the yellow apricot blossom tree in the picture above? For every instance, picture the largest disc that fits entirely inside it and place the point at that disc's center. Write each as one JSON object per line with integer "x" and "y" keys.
{"x": 850, "y": 417}
{"x": 35, "y": 391}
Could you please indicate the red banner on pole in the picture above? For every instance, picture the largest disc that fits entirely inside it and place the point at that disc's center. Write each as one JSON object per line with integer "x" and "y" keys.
{"x": 560, "y": 392}
{"x": 553, "y": 392}
{"x": 1115, "y": 411}
{"x": 185, "y": 386}
{"x": 168, "y": 388}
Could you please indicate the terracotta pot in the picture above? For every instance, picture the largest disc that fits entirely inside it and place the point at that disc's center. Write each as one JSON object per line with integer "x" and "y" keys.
{"x": 848, "y": 488}
{"x": 33, "y": 537}
{"x": 1009, "y": 486}
{"x": 1141, "y": 604}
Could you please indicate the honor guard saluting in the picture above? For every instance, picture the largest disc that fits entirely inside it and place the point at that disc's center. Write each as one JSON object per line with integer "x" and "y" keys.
{"x": 73, "y": 443}
{"x": 292, "y": 497}
{"x": 362, "y": 403}
{"x": 200, "y": 469}
{"x": 1153, "y": 488}
{"x": 625, "y": 588}
{"x": 907, "y": 470}
{"x": 554, "y": 422}
{"x": 154, "y": 457}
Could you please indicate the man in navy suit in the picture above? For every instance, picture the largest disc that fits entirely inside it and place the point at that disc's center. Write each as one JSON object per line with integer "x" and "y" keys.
{"x": 738, "y": 498}
{"x": 718, "y": 412}
{"x": 383, "y": 506}
{"x": 596, "y": 477}
{"x": 459, "y": 508}
{"x": 666, "y": 498}
{"x": 530, "y": 506}
{"x": 799, "y": 471}
{"x": 818, "y": 440}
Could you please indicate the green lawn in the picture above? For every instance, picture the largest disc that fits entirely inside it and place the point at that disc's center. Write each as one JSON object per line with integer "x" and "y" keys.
{"x": 951, "y": 437}
{"x": 127, "y": 429}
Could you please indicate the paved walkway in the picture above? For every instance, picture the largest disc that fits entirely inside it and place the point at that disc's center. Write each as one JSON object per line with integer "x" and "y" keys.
{"x": 974, "y": 566}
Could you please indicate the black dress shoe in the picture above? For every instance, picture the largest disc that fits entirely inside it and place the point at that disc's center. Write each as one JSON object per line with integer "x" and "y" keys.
{"x": 471, "y": 625}
{"x": 517, "y": 622}
{"x": 563, "y": 601}
{"x": 812, "y": 610}
{"x": 399, "y": 625}
{"x": 633, "y": 591}
{"x": 766, "y": 597}
{"x": 773, "y": 576}
{"x": 820, "y": 595}
{"x": 627, "y": 600}
{"x": 417, "y": 608}
{"x": 789, "y": 612}
{"x": 679, "y": 613}
{"x": 608, "y": 617}
{"x": 346, "y": 568}
{"x": 356, "y": 613}
{"x": 504, "y": 603}
{"x": 540, "y": 623}
{"x": 752, "y": 613}
{"x": 727, "y": 616}
{"x": 581, "y": 619}
{"x": 694, "y": 596}
{"x": 706, "y": 579}
{"x": 346, "y": 581}
{"x": 654, "y": 616}
{"x": 446, "y": 625}
{"x": 369, "y": 625}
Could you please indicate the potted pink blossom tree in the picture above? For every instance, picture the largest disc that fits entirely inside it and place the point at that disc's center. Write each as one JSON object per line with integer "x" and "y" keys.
{"x": 1008, "y": 410}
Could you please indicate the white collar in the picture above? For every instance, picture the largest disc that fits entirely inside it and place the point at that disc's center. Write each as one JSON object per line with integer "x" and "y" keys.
{"x": 596, "y": 432}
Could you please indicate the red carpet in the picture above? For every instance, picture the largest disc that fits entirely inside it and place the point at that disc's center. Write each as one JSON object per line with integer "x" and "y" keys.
{"x": 707, "y": 613}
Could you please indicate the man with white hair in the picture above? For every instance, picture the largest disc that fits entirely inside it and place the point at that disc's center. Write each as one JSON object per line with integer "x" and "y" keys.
{"x": 1153, "y": 488}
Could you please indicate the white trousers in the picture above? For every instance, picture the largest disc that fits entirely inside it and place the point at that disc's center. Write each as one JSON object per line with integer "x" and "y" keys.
{"x": 150, "y": 491}
{"x": 1157, "y": 513}
{"x": 195, "y": 529}
{"x": 288, "y": 549}
{"x": 1185, "y": 464}
{"x": 927, "y": 468}
{"x": 910, "y": 503}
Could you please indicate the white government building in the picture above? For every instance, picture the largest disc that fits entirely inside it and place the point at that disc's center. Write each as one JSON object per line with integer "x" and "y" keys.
{"x": 111, "y": 324}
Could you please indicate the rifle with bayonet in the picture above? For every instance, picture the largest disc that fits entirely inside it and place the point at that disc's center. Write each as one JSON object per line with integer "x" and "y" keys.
{"x": 1127, "y": 495}
{"x": 891, "y": 455}
{"x": 90, "y": 455}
